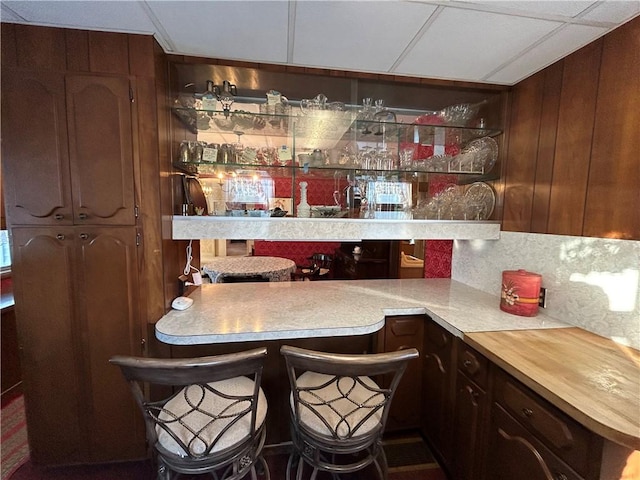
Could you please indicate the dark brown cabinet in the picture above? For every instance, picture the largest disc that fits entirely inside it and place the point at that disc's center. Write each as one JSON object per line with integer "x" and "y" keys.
{"x": 75, "y": 298}
{"x": 35, "y": 154}
{"x": 101, "y": 149}
{"x": 402, "y": 332}
{"x": 530, "y": 438}
{"x": 68, "y": 149}
{"x": 438, "y": 384}
{"x": 471, "y": 414}
{"x": 68, "y": 164}
{"x": 82, "y": 173}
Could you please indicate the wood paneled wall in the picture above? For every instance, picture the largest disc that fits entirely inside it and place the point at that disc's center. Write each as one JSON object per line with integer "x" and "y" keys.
{"x": 573, "y": 159}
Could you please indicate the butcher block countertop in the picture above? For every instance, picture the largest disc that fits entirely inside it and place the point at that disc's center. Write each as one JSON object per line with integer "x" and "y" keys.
{"x": 594, "y": 380}
{"x": 591, "y": 378}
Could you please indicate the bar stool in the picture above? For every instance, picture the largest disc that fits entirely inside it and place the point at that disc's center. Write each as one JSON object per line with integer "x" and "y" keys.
{"x": 338, "y": 412}
{"x": 212, "y": 421}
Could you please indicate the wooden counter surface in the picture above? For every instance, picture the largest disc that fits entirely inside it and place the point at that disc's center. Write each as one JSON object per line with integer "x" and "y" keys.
{"x": 591, "y": 378}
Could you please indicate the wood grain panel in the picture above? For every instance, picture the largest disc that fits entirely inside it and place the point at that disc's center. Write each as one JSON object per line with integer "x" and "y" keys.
{"x": 590, "y": 378}
{"x": 141, "y": 61}
{"x": 148, "y": 181}
{"x": 546, "y": 147}
{"x": 8, "y": 46}
{"x": 573, "y": 144}
{"x": 100, "y": 148}
{"x": 613, "y": 197}
{"x": 48, "y": 338}
{"x": 108, "y": 52}
{"x": 522, "y": 154}
{"x": 41, "y": 48}
{"x": 35, "y": 156}
{"x": 77, "y": 50}
{"x": 109, "y": 278}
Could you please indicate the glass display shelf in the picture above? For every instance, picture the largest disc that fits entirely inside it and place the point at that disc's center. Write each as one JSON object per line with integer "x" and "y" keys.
{"x": 331, "y": 155}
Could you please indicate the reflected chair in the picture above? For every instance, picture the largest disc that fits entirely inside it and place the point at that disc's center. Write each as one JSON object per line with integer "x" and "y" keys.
{"x": 338, "y": 412}
{"x": 213, "y": 419}
{"x": 319, "y": 268}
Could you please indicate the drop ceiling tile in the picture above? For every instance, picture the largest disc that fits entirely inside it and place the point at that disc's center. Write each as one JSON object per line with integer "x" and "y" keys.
{"x": 614, "y": 11}
{"x": 547, "y": 7}
{"x": 102, "y": 15}
{"x": 8, "y": 15}
{"x": 366, "y": 36}
{"x": 468, "y": 45}
{"x": 245, "y": 30}
{"x": 566, "y": 40}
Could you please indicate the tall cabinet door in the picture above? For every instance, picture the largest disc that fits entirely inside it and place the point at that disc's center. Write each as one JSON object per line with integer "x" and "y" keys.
{"x": 101, "y": 149}
{"x": 108, "y": 274}
{"x": 51, "y": 354}
{"x": 35, "y": 156}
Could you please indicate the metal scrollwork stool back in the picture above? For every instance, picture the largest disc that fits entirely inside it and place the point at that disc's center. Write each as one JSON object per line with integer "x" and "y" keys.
{"x": 338, "y": 412}
{"x": 211, "y": 418}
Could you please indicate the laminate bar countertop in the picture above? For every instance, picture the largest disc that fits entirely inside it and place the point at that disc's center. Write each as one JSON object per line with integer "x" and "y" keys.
{"x": 279, "y": 310}
{"x": 590, "y": 378}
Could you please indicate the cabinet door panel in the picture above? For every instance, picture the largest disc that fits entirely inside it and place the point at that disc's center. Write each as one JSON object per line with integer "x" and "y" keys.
{"x": 51, "y": 357}
{"x": 108, "y": 260}
{"x": 437, "y": 388}
{"x": 35, "y": 156}
{"x": 515, "y": 453}
{"x": 402, "y": 333}
{"x": 469, "y": 427}
{"x": 101, "y": 149}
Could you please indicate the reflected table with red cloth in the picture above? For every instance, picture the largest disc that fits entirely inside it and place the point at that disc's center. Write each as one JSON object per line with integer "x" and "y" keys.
{"x": 275, "y": 269}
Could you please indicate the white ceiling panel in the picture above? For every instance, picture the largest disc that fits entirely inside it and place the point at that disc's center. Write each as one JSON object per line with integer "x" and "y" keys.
{"x": 614, "y": 11}
{"x": 246, "y": 30}
{"x": 566, "y": 40}
{"x": 496, "y": 41}
{"x": 7, "y": 15}
{"x": 95, "y": 15}
{"x": 356, "y": 35}
{"x": 462, "y": 44}
{"x": 543, "y": 8}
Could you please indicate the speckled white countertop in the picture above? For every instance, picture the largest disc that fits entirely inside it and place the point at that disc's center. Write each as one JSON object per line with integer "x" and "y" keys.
{"x": 280, "y": 310}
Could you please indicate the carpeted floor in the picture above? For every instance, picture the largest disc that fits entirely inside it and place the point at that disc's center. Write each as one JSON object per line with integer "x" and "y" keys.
{"x": 13, "y": 445}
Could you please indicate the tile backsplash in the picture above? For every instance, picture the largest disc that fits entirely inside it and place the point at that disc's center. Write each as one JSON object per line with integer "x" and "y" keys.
{"x": 592, "y": 283}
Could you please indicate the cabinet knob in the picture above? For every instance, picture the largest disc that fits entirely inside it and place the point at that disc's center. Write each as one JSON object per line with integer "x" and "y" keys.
{"x": 60, "y": 236}
{"x": 561, "y": 476}
{"x": 84, "y": 236}
{"x": 527, "y": 412}
{"x": 58, "y": 216}
{"x": 82, "y": 216}
{"x": 467, "y": 363}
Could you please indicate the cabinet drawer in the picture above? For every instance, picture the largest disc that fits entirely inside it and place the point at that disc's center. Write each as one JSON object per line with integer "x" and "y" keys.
{"x": 516, "y": 453}
{"x": 561, "y": 434}
{"x": 472, "y": 364}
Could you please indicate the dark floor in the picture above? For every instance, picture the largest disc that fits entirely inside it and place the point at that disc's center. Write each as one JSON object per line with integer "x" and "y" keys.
{"x": 408, "y": 457}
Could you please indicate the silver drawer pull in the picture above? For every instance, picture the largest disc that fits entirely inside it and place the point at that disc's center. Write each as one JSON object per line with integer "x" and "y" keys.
{"x": 561, "y": 476}
{"x": 60, "y": 236}
{"x": 527, "y": 412}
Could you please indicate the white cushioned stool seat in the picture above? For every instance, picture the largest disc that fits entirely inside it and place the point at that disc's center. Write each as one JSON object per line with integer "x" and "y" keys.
{"x": 197, "y": 416}
{"x": 342, "y": 403}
